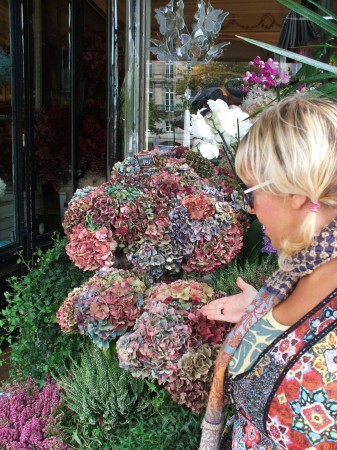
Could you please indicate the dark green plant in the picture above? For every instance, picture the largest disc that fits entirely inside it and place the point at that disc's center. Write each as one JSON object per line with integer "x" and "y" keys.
{"x": 254, "y": 273}
{"x": 102, "y": 394}
{"x": 201, "y": 165}
{"x": 156, "y": 116}
{"x": 171, "y": 428}
{"x": 29, "y": 324}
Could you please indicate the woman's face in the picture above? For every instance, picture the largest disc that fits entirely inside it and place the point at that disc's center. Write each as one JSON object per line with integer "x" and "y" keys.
{"x": 276, "y": 214}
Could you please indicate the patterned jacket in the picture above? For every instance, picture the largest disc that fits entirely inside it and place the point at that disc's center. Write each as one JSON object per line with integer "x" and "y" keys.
{"x": 288, "y": 398}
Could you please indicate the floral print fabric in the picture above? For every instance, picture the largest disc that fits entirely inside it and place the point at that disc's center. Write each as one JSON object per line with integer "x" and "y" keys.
{"x": 288, "y": 399}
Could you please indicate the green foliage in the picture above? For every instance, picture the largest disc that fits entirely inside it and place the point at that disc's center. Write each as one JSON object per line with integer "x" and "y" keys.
{"x": 170, "y": 428}
{"x": 102, "y": 394}
{"x": 40, "y": 347}
{"x": 252, "y": 243}
{"x": 156, "y": 116}
{"x": 113, "y": 410}
{"x": 254, "y": 273}
{"x": 159, "y": 424}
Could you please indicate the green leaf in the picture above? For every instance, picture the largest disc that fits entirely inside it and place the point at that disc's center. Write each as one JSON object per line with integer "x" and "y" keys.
{"x": 288, "y": 54}
{"x": 252, "y": 242}
{"x": 312, "y": 16}
{"x": 326, "y": 11}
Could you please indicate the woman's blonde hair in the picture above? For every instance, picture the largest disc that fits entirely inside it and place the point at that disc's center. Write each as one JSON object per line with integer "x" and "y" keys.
{"x": 294, "y": 145}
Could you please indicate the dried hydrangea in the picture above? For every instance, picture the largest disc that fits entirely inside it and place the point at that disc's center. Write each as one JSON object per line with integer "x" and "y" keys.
{"x": 173, "y": 343}
{"x": 75, "y": 214}
{"x": 65, "y": 314}
{"x": 128, "y": 168}
{"x": 160, "y": 337}
{"x": 104, "y": 307}
{"x": 81, "y": 193}
{"x": 157, "y": 258}
{"x": 161, "y": 217}
{"x": 199, "y": 206}
{"x": 90, "y": 250}
{"x": 194, "y": 395}
{"x": 209, "y": 255}
{"x": 201, "y": 165}
{"x": 185, "y": 293}
{"x": 194, "y": 378}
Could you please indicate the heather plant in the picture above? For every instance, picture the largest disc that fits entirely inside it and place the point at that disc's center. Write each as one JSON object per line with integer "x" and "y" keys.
{"x": 163, "y": 426}
{"x": 103, "y": 395}
{"x": 29, "y": 417}
{"x": 37, "y": 344}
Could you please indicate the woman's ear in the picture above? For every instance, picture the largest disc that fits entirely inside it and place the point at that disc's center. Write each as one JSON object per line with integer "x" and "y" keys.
{"x": 297, "y": 201}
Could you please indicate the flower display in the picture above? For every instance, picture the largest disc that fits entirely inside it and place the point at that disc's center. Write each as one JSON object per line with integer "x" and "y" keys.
{"x": 165, "y": 218}
{"x": 91, "y": 250}
{"x": 104, "y": 307}
{"x": 173, "y": 343}
{"x": 219, "y": 127}
{"x": 261, "y": 86}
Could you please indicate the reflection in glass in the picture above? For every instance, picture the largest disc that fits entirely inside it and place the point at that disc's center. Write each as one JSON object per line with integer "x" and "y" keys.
{"x": 7, "y": 217}
{"x": 53, "y": 122}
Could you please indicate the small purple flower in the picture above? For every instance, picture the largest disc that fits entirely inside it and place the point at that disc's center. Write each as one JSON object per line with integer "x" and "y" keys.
{"x": 267, "y": 247}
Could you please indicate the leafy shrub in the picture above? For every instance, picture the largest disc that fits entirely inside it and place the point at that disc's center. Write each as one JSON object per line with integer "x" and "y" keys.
{"x": 40, "y": 347}
{"x": 172, "y": 427}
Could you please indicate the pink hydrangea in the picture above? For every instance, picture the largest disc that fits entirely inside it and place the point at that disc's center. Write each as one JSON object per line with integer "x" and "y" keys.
{"x": 173, "y": 343}
{"x": 65, "y": 314}
{"x": 104, "y": 307}
{"x": 90, "y": 250}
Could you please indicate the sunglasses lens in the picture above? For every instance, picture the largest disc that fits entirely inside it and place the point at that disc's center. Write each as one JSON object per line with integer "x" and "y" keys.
{"x": 249, "y": 199}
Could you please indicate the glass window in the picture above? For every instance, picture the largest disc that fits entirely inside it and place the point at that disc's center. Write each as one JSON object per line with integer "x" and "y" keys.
{"x": 168, "y": 126}
{"x": 7, "y": 203}
{"x": 169, "y": 97}
{"x": 53, "y": 126}
{"x": 169, "y": 70}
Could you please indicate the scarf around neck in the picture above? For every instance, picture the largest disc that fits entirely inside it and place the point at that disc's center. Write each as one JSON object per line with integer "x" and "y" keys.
{"x": 277, "y": 288}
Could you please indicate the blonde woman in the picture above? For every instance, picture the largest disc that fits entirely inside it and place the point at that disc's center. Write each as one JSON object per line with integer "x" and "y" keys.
{"x": 279, "y": 363}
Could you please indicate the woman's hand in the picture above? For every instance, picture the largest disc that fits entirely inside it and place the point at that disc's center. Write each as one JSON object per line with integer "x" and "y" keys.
{"x": 230, "y": 309}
